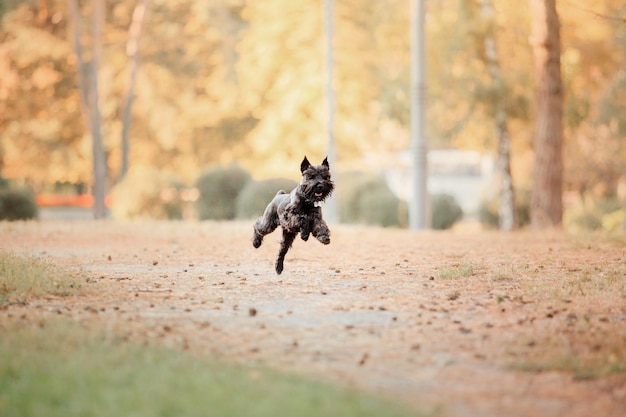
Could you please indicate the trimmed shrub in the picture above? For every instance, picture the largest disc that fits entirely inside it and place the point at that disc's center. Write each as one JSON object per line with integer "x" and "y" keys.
{"x": 147, "y": 193}
{"x": 581, "y": 220}
{"x": 488, "y": 211}
{"x": 256, "y": 195}
{"x": 594, "y": 215}
{"x": 379, "y": 206}
{"x": 488, "y": 214}
{"x": 17, "y": 204}
{"x": 446, "y": 211}
{"x": 352, "y": 184}
{"x": 365, "y": 198}
{"x": 218, "y": 190}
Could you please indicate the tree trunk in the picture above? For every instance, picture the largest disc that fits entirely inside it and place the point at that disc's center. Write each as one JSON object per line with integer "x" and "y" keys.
{"x": 132, "y": 51}
{"x": 88, "y": 90}
{"x": 82, "y": 72}
{"x": 99, "y": 156}
{"x": 331, "y": 211}
{"x": 506, "y": 209}
{"x": 546, "y": 208}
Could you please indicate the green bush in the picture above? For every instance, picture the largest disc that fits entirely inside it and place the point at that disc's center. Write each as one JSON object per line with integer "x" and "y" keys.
{"x": 351, "y": 186}
{"x": 446, "y": 211}
{"x": 488, "y": 211}
{"x": 17, "y": 204}
{"x": 147, "y": 193}
{"x": 218, "y": 190}
{"x": 255, "y": 196}
{"x": 615, "y": 220}
{"x": 581, "y": 220}
{"x": 488, "y": 214}
{"x": 365, "y": 198}
{"x": 379, "y": 206}
{"x": 594, "y": 215}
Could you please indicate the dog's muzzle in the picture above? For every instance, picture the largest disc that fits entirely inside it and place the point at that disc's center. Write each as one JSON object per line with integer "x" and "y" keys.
{"x": 320, "y": 192}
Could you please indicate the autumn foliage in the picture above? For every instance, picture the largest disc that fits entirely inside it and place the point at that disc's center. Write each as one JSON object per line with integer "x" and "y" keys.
{"x": 242, "y": 81}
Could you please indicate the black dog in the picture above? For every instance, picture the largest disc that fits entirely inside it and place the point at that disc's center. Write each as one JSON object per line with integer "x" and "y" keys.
{"x": 298, "y": 211}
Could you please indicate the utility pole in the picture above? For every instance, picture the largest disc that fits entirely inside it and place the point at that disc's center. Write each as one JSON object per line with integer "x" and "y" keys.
{"x": 418, "y": 206}
{"x": 330, "y": 213}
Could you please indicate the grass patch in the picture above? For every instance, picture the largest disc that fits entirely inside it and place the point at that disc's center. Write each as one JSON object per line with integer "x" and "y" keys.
{"x": 584, "y": 353}
{"x": 23, "y": 277}
{"x": 456, "y": 272}
{"x": 579, "y": 368}
{"x": 597, "y": 280}
{"x": 61, "y": 369}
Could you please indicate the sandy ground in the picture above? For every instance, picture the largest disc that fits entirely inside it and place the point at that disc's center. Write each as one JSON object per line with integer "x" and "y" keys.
{"x": 450, "y": 322}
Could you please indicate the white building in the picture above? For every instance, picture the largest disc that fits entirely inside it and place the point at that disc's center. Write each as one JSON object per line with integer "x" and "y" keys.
{"x": 468, "y": 176}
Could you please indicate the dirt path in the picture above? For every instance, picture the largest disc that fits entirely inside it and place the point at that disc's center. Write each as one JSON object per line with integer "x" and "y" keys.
{"x": 440, "y": 320}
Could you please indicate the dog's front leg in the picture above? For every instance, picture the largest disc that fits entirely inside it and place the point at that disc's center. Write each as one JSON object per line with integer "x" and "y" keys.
{"x": 320, "y": 229}
{"x": 285, "y": 244}
{"x": 305, "y": 228}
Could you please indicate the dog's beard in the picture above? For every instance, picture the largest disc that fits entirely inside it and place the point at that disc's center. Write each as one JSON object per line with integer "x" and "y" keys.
{"x": 318, "y": 192}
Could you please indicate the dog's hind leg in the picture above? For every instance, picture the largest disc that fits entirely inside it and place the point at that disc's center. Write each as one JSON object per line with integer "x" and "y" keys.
{"x": 264, "y": 225}
{"x": 285, "y": 244}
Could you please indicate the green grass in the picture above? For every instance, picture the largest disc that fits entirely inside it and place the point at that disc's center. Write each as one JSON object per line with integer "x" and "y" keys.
{"x": 458, "y": 271}
{"x": 61, "y": 369}
{"x": 24, "y": 277}
{"x": 573, "y": 365}
{"x": 607, "y": 358}
{"x": 582, "y": 348}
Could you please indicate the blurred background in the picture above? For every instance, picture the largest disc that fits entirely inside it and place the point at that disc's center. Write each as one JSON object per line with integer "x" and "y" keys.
{"x": 206, "y": 108}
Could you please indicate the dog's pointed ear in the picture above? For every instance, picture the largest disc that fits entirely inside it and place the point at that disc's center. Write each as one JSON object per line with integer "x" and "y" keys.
{"x": 325, "y": 162}
{"x": 304, "y": 165}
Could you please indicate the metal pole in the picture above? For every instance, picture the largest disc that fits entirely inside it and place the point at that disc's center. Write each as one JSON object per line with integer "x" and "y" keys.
{"x": 330, "y": 212}
{"x": 418, "y": 207}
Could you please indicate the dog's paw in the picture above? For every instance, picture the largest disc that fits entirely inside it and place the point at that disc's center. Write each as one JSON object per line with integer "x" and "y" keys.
{"x": 304, "y": 236}
{"x": 279, "y": 267}
{"x": 325, "y": 239}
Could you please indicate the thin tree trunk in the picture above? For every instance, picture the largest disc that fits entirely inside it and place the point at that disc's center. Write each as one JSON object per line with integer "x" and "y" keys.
{"x": 99, "y": 157}
{"x": 43, "y": 13}
{"x": 330, "y": 209}
{"x": 132, "y": 51}
{"x": 88, "y": 90}
{"x": 81, "y": 66}
{"x": 546, "y": 203}
{"x": 506, "y": 209}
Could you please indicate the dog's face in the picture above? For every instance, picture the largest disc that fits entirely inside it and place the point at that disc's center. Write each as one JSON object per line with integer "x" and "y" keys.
{"x": 316, "y": 184}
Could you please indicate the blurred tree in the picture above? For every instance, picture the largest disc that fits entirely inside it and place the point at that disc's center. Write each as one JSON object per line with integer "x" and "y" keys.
{"x": 88, "y": 76}
{"x": 546, "y": 202}
{"x": 188, "y": 110}
{"x": 7, "y": 5}
{"x": 282, "y": 79}
{"x": 132, "y": 51}
{"x": 506, "y": 208}
{"x": 242, "y": 80}
{"x": 594, "y": 40}
{"x": 40, "y": 133}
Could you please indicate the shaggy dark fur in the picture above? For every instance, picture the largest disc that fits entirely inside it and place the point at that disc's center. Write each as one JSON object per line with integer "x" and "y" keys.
{"x": 298, "y": 211}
